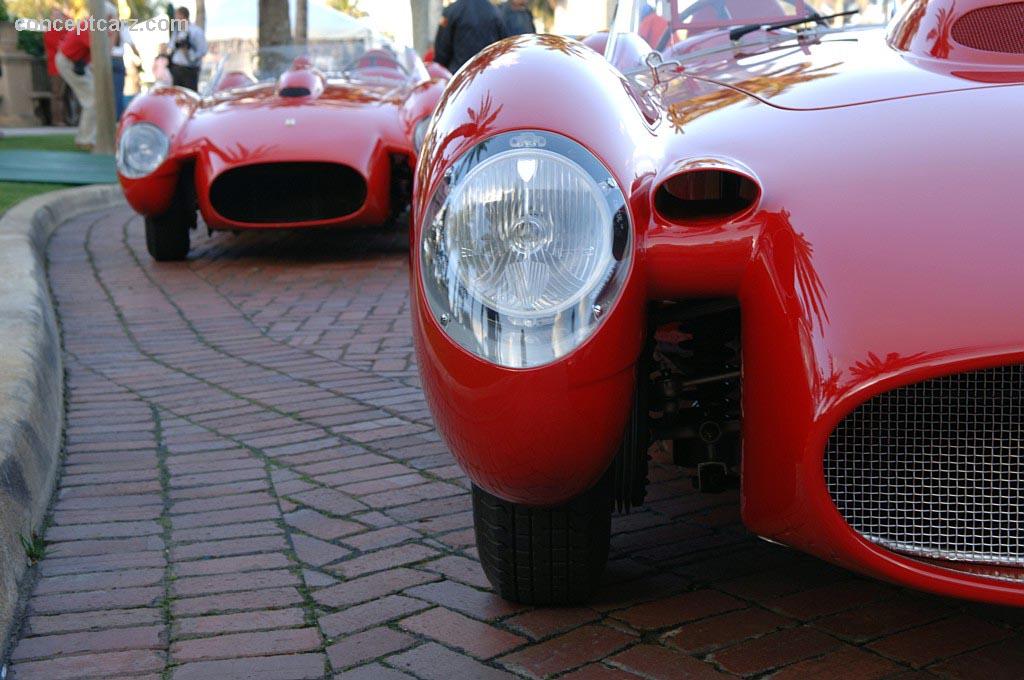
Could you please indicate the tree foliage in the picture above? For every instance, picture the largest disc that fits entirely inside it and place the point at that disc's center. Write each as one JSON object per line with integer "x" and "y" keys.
{"x": 349, "y": 7}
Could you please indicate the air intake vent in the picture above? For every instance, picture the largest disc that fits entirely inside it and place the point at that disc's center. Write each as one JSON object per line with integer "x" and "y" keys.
{"x": 998, "y": 28}
{"x": 285, "y": 193}
{"x": 295, "y": 92}
{"x": 705, "y": 194}
{"x": 936, "y": 469}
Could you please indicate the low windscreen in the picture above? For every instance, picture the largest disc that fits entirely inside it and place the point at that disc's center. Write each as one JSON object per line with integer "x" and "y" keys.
{"x": 363, "y": 56}
{"x": 675, "y": 27}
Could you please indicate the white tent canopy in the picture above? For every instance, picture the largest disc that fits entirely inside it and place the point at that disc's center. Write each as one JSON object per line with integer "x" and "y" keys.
{"x": 239, "y": 19}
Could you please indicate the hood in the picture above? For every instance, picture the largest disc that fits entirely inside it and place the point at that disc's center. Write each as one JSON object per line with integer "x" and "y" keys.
{"x": 853, "y": 67}
{"x": 256, "y": 124}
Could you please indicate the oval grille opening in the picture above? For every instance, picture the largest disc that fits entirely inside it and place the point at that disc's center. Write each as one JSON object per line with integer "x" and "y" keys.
{"x": 936, "y": 469}
{"x": 706, "y": 194}
{"x": 998, "y": 28}
{"x": 283, "y": 193}
{"x": 295, "y": 92}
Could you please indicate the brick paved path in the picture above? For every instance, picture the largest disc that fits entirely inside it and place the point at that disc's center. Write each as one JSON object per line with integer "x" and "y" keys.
{"x": 253, "y": 489}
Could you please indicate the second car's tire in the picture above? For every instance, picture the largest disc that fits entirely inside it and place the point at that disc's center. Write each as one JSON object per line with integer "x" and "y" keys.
{"x": 167, "y": 236}
{"x": 544, "y": 556}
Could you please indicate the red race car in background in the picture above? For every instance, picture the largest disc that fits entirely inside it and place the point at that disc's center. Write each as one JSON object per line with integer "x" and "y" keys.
{"x": 317, "y": 135}
{"x": 789, "y": 247}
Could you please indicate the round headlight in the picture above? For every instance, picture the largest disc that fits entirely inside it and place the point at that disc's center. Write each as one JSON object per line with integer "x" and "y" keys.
{"x": 524, "y": 248}
{"x": 141, "y": 150}
{"x": 420, "y": 133}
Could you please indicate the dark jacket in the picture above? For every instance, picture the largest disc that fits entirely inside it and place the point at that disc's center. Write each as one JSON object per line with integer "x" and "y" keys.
{"x": 467, "y": 27}
{"x": 517, "y": 21}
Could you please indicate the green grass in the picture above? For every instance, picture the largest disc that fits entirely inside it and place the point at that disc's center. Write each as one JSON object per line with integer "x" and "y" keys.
{"x": 35, "y": 547}
{"x": 12, "y": 192}
{"x": 39, "y": 143}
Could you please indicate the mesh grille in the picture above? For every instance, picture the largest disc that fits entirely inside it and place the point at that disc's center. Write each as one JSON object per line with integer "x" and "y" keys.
{"x": 934, "y": 469}
{"x": 999, "y": 28}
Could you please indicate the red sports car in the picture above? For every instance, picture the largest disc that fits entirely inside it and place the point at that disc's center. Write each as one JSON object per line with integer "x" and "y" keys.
{"x": 788, "y": 245}
{"x": 317, "y": 135}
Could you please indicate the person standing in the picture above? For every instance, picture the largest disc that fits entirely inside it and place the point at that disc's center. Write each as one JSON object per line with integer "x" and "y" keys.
{"x": 51, "y": 44}
{"x": 187, "y": 48}
{"x": 467, "y": 26}
{"x": 122, "y": 50}
{"x": 73, "y": 61}
{"x": 518, "y": 17}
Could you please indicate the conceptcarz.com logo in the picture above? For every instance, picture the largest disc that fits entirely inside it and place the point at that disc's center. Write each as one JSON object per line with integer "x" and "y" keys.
{"x": 163, "y": 24}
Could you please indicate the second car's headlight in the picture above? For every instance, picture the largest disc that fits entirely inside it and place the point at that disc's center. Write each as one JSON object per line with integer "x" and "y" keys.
{"x": 524, "y": 248}
{"x": 141, "y": 150}
{"x": 419, "y": 133}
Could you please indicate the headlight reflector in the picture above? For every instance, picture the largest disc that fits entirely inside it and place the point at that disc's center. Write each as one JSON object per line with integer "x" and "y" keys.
{"x": 141, "y": 150}
{"x": 524, "y": 248}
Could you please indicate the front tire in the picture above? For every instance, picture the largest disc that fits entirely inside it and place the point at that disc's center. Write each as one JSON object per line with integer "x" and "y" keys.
{"x": 544, "y": 556}
{"x": 167, "y": 236}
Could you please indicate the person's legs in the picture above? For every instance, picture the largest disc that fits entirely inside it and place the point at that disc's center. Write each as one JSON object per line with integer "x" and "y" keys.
{"x": 87, "y": 125}
{"x": 185, "y": 76}
{"x": 82, "y": 86}
{"x": 118, "y": 90}
{"x": 57, "y": 100}
{"x": 192, "y": 77}
{"x": 178, "y": 75}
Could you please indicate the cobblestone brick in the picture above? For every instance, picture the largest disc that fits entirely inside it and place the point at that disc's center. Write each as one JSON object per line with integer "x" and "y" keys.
{"x": 253, "y": 489}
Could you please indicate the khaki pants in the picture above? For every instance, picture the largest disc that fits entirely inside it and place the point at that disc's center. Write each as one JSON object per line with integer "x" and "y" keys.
{"x": 85, "y": 90}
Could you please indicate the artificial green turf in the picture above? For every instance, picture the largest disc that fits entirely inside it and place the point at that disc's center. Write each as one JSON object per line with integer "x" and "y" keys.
{"x": 12, "y": 192}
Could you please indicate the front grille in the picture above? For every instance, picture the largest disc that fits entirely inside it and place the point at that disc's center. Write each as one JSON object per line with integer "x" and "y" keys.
{"x": 997, "y": 28}
{"x": 934, "y": 469}
{"x": 284, "y": 193}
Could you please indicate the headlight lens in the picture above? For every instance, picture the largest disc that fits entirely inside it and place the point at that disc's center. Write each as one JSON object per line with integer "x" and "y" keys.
{"x": 524, "y": 248}
{"x": 420, "y": 133}
{"x": 141, "y": 150}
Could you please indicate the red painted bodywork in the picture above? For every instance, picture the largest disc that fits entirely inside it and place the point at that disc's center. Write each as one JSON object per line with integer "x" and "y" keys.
{"x": 358, "y": 124}
{"x": 884, "y": 249}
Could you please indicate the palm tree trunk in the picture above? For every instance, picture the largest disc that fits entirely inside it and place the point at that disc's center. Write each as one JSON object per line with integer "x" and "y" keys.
{"x": 103, "y": 83}
{"x": 201, "y": 14}
{"x": 274, "y": 25}
{"x": 301, "y": 21}
{"x": 425, "y": 16}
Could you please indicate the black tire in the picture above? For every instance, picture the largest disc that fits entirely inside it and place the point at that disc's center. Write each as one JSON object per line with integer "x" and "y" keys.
{"x": 167, "y": 238}
{"x": 544, "y": 556}
{"x": 167, "y": 235}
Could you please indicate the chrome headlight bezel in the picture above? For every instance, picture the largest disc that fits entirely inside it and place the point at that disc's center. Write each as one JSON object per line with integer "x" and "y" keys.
{"x": 419, "y": 133}
{"x": 142, "y": 148}
{"x": 525, "y": 334}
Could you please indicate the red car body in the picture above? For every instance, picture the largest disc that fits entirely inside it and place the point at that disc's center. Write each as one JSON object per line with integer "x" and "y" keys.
{"x": 362, "y": 125}
{"x": 882, "y": 249}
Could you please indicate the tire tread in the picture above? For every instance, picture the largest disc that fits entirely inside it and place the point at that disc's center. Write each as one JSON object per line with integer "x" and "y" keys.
{"x": 544, "y": 556}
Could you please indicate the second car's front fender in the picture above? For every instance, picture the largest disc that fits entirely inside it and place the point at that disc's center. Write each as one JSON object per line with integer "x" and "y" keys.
{"x": 168, "y": 108}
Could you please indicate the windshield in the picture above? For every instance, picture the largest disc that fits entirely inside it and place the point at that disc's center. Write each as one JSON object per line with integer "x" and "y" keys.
{"x": 678, "y": 27}
{"x": 361, "y": 56}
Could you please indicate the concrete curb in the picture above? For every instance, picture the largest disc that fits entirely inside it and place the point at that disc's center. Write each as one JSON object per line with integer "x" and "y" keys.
{"x": 31, "y": 375}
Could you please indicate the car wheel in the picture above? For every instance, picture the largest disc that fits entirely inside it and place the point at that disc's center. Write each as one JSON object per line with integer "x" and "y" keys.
{"x": 167, "y": 236}
{"x": 544, "y": 556}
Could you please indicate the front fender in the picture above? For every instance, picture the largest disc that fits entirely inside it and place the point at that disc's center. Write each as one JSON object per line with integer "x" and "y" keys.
{"x": 169, "y": 108}
{"x": 544, "y": 435}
